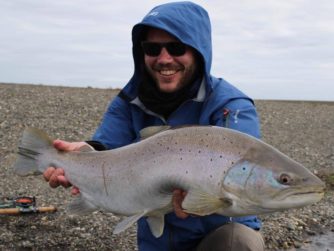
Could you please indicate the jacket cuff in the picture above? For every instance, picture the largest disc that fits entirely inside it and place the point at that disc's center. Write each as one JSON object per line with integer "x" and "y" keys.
{"x": 98, "y": 146}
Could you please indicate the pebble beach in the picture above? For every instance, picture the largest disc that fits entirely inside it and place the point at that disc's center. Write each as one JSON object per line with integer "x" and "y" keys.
{"x": 304, "y": 130}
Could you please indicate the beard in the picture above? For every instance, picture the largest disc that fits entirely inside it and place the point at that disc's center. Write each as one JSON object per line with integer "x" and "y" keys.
{"x": 188, "y": 75}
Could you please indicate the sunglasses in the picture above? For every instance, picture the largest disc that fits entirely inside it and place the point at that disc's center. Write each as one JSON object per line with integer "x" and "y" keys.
{"x": 153, "y": 49}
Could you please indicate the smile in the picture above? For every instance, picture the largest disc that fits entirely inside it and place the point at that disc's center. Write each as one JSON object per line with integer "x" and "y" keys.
{"x": 168, "y": 72}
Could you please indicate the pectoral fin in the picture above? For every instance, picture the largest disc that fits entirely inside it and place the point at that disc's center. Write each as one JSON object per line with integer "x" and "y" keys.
{"x": 128, "y": 222}
{"x": 201, "y": 203}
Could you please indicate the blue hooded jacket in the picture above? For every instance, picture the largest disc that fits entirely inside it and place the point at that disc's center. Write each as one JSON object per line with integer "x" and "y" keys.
{"x": 216, "y": 103}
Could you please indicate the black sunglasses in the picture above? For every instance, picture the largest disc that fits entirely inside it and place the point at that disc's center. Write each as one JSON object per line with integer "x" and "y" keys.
{"x": 153, "y": 49}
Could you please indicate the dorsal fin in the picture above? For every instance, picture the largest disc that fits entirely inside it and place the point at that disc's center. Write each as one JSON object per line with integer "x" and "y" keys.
{"x": 152, "y": 130}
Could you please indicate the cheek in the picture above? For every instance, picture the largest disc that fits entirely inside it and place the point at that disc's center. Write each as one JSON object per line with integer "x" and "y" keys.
{"x": 262, "y": 183}
{"x": 148, "y": 61}
{"x": 188, "y": 60}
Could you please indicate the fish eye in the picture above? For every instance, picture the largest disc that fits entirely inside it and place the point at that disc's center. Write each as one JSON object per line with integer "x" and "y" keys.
{"x": 285, "y": 179}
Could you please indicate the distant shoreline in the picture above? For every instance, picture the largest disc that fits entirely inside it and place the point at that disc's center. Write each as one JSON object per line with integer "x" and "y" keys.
{"x": 118, "y": 89}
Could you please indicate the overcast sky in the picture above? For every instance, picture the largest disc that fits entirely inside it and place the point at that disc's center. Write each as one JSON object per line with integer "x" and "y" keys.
{"x": 270, "y": 49}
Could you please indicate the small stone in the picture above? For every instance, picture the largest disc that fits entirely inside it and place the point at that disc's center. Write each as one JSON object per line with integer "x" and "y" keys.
{"x": 27, "y": 244}
{"x": 297, "y": 244}
{"x": 85, "y": 235}
{"x": 310, "y": 232}
{"x": 291, "y": 226}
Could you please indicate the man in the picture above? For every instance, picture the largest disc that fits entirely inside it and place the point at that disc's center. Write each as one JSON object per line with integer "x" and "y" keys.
{"x": 172, "y": 85}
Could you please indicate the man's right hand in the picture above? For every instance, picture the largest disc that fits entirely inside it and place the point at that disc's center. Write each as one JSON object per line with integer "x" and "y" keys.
{"x": 177, "y": 199}
{"x": 56, "y": 176}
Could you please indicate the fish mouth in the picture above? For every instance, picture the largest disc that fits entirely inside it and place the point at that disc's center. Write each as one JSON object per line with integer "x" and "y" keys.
{"x": 307, "y": 197}
{"x": 300, "y": 197}
{"x": 292, "y": 199}
{"x": 284, "y": 194}
{"x": 299, "y": 192}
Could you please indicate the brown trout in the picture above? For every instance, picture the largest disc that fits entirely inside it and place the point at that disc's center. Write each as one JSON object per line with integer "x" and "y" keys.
{"x": 222, "y": 170}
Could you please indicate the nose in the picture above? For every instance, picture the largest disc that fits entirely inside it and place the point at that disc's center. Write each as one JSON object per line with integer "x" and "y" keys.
{"x": 164, "y": 56}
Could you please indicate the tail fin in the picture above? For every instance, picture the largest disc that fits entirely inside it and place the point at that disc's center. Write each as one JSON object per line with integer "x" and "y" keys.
{"x": 33, "y": 144}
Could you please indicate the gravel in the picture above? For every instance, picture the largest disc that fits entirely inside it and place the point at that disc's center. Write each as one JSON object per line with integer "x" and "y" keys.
{"x": 303, "y": 130}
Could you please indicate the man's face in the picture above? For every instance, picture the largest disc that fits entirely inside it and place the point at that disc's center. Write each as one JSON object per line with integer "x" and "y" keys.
{"x": 169, "y": 72}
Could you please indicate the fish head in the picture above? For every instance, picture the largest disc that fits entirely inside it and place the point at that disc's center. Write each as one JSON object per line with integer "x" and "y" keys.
{"x": 266, "y": 180}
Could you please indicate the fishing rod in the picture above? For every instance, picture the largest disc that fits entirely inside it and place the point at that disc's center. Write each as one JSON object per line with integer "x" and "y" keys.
{"x": 23, "y": 205}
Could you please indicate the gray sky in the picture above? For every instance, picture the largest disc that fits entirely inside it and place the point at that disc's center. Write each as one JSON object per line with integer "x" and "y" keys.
{"x": 270, "y": 49}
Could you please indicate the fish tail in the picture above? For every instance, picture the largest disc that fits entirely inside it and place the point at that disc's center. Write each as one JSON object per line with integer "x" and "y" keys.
{"x": 34, "y": 144}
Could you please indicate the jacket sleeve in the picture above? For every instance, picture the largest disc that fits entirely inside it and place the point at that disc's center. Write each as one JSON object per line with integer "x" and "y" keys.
{"x": 115, "y": 129}
{"x": 239, "y": 114}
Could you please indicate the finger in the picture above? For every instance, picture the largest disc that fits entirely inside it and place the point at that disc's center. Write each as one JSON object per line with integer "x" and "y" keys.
{"x": 75, "y": 191}
{"x": 68, "y": 146}
{"x": 48, "y": 173}
{"x": 54, "y": 178}
{"x": 178, "y": 197}
{"x": 53, "y": 181}
{"x": 64, "y": 181}
{"x": 62, "y": 145}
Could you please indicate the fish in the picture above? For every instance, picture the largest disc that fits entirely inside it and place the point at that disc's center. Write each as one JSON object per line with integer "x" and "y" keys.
{"x": 223, "y": 171}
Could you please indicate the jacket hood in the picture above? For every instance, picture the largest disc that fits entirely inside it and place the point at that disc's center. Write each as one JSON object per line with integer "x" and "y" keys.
{"x": 187, "y": 21}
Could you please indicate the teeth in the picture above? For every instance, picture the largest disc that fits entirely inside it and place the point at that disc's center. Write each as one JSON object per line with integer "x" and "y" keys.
{"x": 167, "y": 72}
